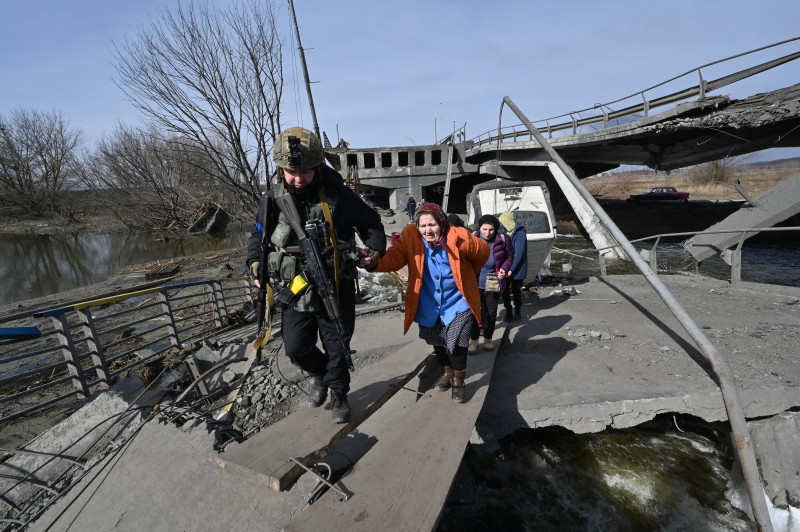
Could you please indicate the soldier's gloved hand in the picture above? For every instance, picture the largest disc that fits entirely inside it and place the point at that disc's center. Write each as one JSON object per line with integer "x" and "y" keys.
{"x": 369, "y": 258}
{"x": 254, "y": 271}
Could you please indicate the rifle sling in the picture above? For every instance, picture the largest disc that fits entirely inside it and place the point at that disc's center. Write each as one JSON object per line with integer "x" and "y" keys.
{"x": 264, "y": 337}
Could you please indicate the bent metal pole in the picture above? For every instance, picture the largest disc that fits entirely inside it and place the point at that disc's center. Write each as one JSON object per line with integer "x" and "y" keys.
{"x": 736, "y": 418}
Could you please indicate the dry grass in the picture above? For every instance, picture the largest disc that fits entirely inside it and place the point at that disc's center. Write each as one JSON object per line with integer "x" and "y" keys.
{"x": 756, "y": 179}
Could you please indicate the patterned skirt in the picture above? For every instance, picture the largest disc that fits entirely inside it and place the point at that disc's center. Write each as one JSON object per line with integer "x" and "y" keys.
{"x": 456, "y": 333}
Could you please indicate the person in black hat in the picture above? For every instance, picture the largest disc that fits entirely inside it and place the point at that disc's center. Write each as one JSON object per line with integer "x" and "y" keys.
{"x": 492, "y": 279}
{"x": 455, "y": 220}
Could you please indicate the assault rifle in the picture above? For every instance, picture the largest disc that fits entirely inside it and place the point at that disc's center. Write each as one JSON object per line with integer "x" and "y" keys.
{"x": 315, "y": 268}
{"x": 263, "y": 278}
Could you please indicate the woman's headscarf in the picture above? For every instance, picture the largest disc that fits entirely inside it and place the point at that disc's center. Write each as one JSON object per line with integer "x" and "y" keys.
{"x": 507, "y": 220}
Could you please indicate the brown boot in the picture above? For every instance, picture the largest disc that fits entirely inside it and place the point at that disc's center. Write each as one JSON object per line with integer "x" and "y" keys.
{"x": 458, "y": 386}
{"x": 443, "y": 384}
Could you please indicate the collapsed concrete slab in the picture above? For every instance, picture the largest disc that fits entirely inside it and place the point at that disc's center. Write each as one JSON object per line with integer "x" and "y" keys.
{"x": 772, "y": 207}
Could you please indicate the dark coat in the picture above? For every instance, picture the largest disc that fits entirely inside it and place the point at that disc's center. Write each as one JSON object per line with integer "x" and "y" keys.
{"x": 503, "y": 253}
{"x": 519, "y": 240}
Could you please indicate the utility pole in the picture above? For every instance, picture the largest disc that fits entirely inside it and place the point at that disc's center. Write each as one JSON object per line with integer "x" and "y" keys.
{"x": 305, "y": 72}
{"x": 449, "y": 172}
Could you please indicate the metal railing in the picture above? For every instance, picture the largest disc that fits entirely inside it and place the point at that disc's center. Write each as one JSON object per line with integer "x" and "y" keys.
{"x": 81, "y": 346}
{"x": 459, "y": 135}
{"x": 604, "y": 114}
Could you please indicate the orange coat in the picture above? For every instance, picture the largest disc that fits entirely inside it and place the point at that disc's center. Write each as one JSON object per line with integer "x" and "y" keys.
{"x": 468, "y": 254}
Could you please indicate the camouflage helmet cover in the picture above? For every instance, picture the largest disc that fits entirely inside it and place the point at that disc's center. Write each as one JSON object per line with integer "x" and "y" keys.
{"x": 297, "y": 148}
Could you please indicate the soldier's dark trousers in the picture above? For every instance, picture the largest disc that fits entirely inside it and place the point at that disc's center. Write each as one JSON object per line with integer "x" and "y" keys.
{"x": 300, "y": 333}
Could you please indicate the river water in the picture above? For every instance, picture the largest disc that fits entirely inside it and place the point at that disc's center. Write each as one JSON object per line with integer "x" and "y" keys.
{"x": 33, "y": 266}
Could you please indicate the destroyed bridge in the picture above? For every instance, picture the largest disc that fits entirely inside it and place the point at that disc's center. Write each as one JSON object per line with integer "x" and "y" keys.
{"x": 690, "y": 127}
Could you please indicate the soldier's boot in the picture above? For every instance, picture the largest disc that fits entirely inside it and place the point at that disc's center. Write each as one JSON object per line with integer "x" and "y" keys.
{"x": 458, "y": 386}
{"x": 340, "y": 411}
{"x": 318, "y": 393}
{"x": 443, "y": 384}
{"x": 518, "y": 313}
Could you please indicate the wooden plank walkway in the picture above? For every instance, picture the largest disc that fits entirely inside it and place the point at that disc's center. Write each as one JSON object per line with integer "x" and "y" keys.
{"x": 403, "y": 482}
{"x": 308, "y": 434}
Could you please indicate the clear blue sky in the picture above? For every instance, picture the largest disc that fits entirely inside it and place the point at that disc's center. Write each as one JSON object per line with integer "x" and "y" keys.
{"x": 396, "y": 73}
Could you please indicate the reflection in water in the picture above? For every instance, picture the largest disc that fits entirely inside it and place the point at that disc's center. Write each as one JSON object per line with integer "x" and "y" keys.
{"x": 38, "y": 265}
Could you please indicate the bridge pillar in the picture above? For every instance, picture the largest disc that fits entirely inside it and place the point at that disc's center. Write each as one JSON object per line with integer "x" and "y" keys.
{"x": 599, "y": 235}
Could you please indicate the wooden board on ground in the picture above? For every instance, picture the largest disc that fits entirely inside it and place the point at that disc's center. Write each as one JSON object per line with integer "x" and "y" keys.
{"x": 308, "y": 434}
{"x": 163, "y": 270}
{"x": 402, "y": 483}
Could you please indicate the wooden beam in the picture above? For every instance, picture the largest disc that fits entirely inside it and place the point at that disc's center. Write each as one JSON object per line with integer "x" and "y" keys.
{"x": 308, "y": 434}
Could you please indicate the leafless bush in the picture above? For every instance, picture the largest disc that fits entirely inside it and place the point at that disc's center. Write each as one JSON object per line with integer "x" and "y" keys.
{"x": 597, "y": 186}
{"x": 613, "y": 186}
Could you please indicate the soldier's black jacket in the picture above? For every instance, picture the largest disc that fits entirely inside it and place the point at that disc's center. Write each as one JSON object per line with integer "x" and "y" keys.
{"x": 351, "y": 213}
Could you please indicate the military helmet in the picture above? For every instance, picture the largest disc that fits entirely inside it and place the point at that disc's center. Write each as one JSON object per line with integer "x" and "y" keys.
{"x": 297, "y": 148}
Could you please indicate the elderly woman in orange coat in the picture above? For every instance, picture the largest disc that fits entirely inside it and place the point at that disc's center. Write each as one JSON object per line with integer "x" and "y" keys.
{"x": 442, "y": 294}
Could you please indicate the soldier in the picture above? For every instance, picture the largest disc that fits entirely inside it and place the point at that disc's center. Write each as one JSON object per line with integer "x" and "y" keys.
{"x": 326, "y": 203}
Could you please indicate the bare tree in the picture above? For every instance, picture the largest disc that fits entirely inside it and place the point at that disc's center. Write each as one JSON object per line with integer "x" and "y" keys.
{"x": 38, "y": 159}
{"x": 147, "y": 181}
{"x": 214, "y": 78}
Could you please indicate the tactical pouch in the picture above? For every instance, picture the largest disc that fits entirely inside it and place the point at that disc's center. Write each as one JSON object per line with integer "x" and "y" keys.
{"x": 289, "y": 267}
{"x": 281, "y": 235}
{"x": 347, "y": 261}
{"x": 274, "y": 264}
{"x": 309, "y": 302}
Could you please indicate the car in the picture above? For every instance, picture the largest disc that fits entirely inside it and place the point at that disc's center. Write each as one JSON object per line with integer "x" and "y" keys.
{"x": 660, "y": 193}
